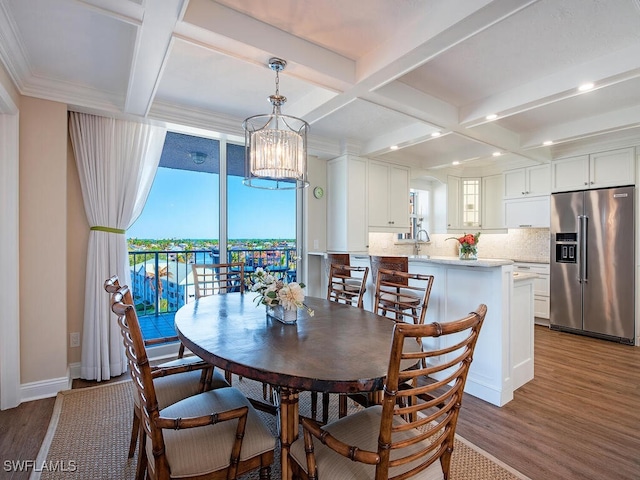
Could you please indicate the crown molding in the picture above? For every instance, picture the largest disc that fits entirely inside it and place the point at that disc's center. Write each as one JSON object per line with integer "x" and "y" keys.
{"x": 599, "y": 143}
{"x": 12, "y": 51}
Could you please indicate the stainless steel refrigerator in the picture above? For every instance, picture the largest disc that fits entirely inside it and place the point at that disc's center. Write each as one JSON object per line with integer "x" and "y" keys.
{"x": 592, "y": 263}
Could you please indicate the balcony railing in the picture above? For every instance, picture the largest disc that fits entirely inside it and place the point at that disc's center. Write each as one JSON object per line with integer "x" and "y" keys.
{"x": 162, "y": 281}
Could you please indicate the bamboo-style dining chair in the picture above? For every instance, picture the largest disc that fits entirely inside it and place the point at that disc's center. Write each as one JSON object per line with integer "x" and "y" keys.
{"x": 397, "y": 264}
{"x": 344, "y": 287}
{"x": 174, "y": 381}
{"x": 212, "y": 435}
{"x": 404, "y": 437}
{"x": 217, "y": 278}
{"x": 403, "y": 295}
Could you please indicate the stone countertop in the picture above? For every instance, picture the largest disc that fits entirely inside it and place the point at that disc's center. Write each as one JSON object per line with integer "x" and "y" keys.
{"x": 481, "y": 262}
{"x": 532, "y": 260}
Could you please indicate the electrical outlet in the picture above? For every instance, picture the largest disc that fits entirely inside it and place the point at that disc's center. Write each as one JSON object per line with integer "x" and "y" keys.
{"x": 74, "y": 339}
{"x": 316, "y": 244}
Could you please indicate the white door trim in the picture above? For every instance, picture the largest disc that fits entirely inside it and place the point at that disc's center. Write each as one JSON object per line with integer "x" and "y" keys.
{"x": 9, "y": 249}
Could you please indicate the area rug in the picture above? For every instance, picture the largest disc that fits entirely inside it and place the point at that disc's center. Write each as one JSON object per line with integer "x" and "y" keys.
{"x": 88, "y": 438}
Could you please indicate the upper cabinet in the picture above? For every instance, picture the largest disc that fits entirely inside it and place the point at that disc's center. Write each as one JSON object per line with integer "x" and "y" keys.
{"x": 388, "y": 187}
{"x": 527, "y": 182}
{"x": 528, "y": 212}
{"x": 492, "y": 214}
{"x": 362, "y": 196}
{"x": 526, "y": 197}
{"x": 598, "y": 170}
{"x": 346, "y": 205}
{"x": 454, "y": 193}
{"x": 474, "y": 203}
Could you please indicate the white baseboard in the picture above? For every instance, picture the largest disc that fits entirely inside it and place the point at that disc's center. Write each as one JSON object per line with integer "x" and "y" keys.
{"x": 50, "y": 387}
{"x": 161, "y": 352}
{"x": 74, "y": 370}
{"x": 44, "y": 388}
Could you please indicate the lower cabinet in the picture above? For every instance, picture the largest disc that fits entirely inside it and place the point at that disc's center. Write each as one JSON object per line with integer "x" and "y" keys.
{"x": 522, "y": 337}
{"x": 540, "y": 289}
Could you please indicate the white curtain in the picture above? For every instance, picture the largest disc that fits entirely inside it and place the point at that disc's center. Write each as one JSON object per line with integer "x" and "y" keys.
{"x": 117, "y": 161}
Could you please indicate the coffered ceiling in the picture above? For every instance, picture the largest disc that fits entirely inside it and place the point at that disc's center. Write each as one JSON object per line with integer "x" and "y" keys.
{"x": 366, "y": 74}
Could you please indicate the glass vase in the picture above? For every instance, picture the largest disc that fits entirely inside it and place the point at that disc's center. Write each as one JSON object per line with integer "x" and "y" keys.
{"x": 469, "y": 252}
{"x": 288, "y": 317}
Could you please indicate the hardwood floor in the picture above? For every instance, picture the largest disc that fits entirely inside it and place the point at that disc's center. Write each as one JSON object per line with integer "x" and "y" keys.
{"x": 579, "y": 419}
{"x": 22, "y": 430}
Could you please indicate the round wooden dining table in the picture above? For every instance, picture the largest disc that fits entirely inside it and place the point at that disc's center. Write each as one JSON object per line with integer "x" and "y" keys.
{"x": 340, "y": 349}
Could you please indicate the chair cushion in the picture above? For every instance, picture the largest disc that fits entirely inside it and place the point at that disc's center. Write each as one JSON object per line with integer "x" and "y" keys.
{"x": 360, "y": 429}
{"x": 401, "y": 297}
{"x": 173, "y": 388}
{"x": 198, "y": 451}
{"x": 188, "y": 360}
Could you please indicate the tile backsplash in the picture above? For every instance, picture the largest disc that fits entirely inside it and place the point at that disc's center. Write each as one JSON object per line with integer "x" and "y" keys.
{"x": 520, "y": 244}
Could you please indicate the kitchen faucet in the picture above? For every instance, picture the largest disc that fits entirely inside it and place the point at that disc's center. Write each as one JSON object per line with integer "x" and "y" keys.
{"x": 417, "y": 237}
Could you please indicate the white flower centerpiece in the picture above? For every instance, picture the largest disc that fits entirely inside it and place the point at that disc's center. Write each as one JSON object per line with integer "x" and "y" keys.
{"x": 281, "y": 299}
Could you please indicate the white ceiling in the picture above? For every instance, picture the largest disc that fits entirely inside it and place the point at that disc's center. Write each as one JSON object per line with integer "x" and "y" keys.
{"x": 366, "y": 74}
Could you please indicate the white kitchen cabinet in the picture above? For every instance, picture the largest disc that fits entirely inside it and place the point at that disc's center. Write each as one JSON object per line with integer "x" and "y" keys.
{"x": 531, "y": 212}
{"x": 347, "y": 229}
{"x": 541, "y": 288}
{"x": 522, "y": 333}
{"x": 527, "y": 182}
{"x": 598, "y": 170}
{"x": 454, "y": 192}
{"x": 612, "y": 169}
{"x": 388, "y": 187}
{"x": 474, "y": 203}
{"x": 492, "y": 213}
{"x": 570, "y": 174}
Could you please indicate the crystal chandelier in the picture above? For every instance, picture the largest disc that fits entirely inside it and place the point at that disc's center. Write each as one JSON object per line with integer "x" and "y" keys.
{"x": 276, "y": 145}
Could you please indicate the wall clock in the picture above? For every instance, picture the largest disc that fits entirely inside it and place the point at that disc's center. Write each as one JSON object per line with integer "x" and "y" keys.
{"x": 318, "y": 192}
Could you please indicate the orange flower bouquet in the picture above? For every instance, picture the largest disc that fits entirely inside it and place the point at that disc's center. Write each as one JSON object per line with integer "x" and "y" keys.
{"x": 467, "y": 246}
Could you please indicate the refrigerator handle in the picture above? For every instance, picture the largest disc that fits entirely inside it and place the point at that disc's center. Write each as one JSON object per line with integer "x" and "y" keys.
{"x": 580, "y": 247}
{"x": 584, "y": 241}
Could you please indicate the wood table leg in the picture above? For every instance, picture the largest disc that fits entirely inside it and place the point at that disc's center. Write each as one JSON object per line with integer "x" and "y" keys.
{"x": 289, "y": 423}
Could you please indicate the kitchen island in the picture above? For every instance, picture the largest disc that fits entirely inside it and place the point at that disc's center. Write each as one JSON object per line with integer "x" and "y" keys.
{"x": 503, "y": 359}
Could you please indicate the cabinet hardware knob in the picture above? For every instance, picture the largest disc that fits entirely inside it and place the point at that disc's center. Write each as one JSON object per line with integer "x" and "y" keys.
{"x": 586, "y": 183}
{"x": 523, "y": 193}
{"x": 592, "y": 183}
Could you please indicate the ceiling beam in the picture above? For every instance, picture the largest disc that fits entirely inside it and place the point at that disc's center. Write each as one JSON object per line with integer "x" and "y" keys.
{"x": 241, "y": 36}
{"x": 151, "y": 52}
{"x": 605, "y": 71}
{"x": 621, "y": 119}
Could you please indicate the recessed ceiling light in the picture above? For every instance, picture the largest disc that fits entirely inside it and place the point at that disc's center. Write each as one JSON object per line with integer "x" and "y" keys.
{"x": 491, "y": 116}
{"x": 393, "y": 147}
{"x": 496, "y": 154}
{"x": 585, "y": 87}
{"x": 455, "y": 163}
{"x": 547, "y": 142}
{"x": 436, "y": 134}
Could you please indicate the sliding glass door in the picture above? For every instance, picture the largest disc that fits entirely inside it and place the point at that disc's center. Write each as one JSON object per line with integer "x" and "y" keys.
{"x": 199, "y": 211}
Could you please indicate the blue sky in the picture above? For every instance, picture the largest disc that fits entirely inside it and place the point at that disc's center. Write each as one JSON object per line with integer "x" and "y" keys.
{"x": 184, "y": 204}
